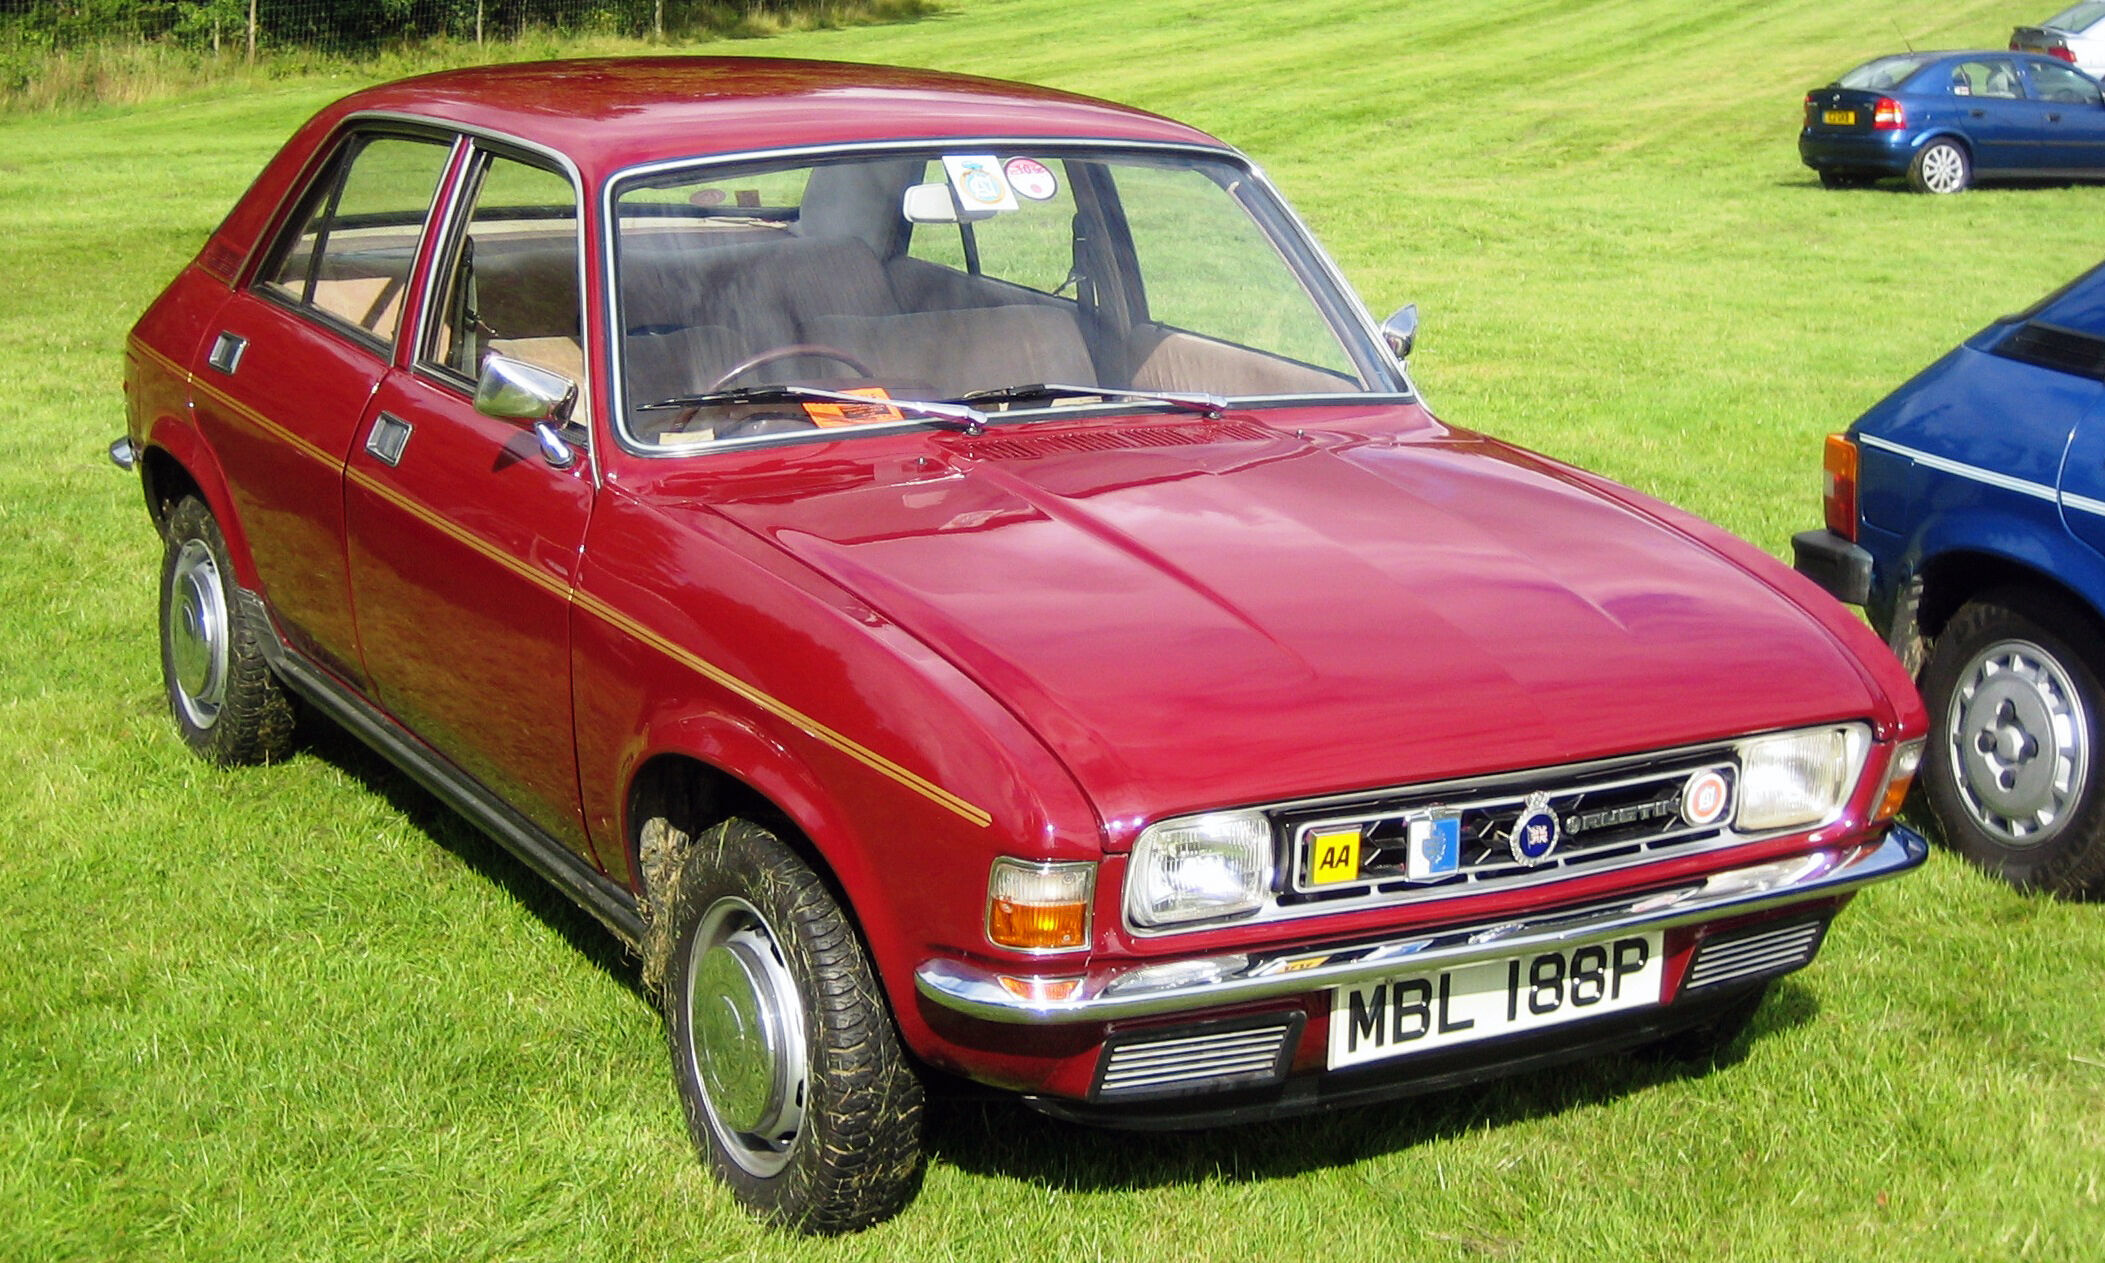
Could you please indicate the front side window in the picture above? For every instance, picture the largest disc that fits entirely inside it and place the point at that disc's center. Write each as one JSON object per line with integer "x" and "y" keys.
{"x": 348, "y": 253}
{"x": 510, "y": 283}
{"x": 2062, "y": 85}
{"x": 971, "y": 274}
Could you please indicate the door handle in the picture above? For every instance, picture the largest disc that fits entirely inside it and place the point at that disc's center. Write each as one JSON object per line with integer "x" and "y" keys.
{"x": 226, "y": 352}
{"x": 1978, "y": 113}
{"x": 390, "y": 434}
{"x": 2053, "y": 118}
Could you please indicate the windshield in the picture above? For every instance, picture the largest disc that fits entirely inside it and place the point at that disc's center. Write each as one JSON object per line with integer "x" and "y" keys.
{"x": 977, "y": 274}
{"x": 1886, "y": 72}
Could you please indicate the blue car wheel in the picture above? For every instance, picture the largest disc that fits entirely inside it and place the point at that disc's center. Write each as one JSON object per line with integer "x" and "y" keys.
{"x": 2013, "y": 769}
{"x": 1940, "y": 167}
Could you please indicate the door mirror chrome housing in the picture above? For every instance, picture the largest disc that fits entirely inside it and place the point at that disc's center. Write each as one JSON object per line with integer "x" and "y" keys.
{"x": 513, "y": 390}
{"x": 1400, "y": 331}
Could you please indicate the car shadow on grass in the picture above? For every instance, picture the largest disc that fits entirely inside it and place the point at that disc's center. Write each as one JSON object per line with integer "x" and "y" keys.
{"x": 1008, "y": 1139}
{"x": 478, "y": 851}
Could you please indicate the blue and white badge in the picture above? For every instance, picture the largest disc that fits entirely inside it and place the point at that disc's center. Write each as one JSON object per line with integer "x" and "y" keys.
{"x": 1534, "y": 835}
{"x": 1435, "y": 848}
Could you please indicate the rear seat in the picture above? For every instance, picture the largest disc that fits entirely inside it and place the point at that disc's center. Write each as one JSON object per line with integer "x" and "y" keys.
{"x": 947, "y": 353}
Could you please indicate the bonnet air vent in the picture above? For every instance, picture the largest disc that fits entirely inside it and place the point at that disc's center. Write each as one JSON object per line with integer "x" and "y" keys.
{"x": 2057, "y": 348}
{"x": 1036, "y": 447}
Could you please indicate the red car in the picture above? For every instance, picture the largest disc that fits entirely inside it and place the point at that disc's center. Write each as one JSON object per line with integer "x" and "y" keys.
{"x": 949, "y": 573}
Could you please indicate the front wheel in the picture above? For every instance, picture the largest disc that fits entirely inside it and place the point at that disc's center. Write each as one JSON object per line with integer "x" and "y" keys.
{"x": 2012, "y": 768}
{"x": 1940, "y": 167}
{"x": 796, "y": 1090}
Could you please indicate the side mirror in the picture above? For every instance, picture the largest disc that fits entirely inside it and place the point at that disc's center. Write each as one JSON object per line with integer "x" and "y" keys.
{"x": 1400, "y": 331}
{"x": 513, "y": 390}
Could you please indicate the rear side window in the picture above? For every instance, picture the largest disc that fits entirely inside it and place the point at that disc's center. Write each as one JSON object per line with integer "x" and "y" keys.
{"x": 2065, "y": 331}
{"x": 347, "y": 255}
{"x": 1988, "y": 78}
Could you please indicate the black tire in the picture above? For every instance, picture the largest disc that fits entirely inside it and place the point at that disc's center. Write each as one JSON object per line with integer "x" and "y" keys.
{"x": 2012, "y": 766}
{"x": 796, "y": 1091}
{"x": 227, "y": 705}
{"x": 1942, "y": 166}
{"x": 1711, "y": 1041}
{"x": 1842, "y": 180}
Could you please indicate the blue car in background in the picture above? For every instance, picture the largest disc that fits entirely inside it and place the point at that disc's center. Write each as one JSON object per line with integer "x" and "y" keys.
{"x": 1944, "y": 120}
{"x": 1966, "y": 513}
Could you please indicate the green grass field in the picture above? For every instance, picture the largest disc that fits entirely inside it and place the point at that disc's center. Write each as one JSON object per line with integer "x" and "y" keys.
{"x": 300, "y": 1012}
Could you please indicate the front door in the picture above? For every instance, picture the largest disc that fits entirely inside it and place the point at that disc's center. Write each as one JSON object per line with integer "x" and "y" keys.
{"x": 464, "y": 538}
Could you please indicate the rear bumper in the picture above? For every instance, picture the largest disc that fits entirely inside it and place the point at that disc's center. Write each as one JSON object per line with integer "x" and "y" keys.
{"x": 1886, "y": 152}
{"x": 1840, "y": 567}
{"x": 1156, "y": 990}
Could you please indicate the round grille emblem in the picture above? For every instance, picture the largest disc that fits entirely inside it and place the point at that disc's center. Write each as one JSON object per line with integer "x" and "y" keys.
{"x": 1534, "y": 835}
{"x": 1705, "y": 797}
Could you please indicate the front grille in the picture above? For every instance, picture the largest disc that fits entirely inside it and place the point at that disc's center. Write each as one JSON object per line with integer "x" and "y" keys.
{"x": 1604, "y": 816}
{"x": 1185, "y": 1060}
{"x": 1761, "y": 952}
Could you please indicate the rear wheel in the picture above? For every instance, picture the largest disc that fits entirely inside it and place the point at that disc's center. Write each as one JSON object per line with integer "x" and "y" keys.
{"x": 1843, "y": 180}
{"x": 2012, "y": 768}
{"x": 227, "y": 704}
{"x": 1940, "y": 167}
{"x": 796, "y": 1090}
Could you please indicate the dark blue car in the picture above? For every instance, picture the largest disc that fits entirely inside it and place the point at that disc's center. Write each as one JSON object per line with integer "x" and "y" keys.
{"x": 1944, "y": 120}
{"x": 1966, "y": 513}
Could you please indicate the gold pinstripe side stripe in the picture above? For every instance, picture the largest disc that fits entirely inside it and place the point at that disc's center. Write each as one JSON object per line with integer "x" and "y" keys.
{"x": 782, "y": 710}
{"x": 596, "y": 607}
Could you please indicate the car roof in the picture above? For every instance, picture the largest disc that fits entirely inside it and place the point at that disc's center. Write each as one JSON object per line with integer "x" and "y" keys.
{"x": 610, "y": 113}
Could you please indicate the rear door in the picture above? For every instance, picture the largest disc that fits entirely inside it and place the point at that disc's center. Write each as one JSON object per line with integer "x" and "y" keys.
{"x": 2007, "y": 127}
{"x": 291, "y": 364}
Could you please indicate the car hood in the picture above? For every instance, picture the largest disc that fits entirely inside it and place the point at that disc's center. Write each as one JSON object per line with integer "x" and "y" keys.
{"x": 1204, "y": 614}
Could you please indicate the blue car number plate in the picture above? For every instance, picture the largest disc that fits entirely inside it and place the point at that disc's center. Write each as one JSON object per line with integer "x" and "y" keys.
{"x": 1413, "y": 1013}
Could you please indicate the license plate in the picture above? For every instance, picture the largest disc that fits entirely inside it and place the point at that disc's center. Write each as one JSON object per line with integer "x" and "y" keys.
{"x": 1418, "y": 1012}
{"x": 1838, "y": 118}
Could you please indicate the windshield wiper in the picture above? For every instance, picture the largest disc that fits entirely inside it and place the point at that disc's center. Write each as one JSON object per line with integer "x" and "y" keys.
{"x": 954, "y": 416}
{"x": 1208, "y": 405}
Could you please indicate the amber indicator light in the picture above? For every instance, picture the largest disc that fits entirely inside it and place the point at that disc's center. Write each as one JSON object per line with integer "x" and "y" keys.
{"x": 1838, "y": 485}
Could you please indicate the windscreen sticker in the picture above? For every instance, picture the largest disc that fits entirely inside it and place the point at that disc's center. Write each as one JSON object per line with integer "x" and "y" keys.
{"x": 978, "y": 182}
{"x": 1031, "y": 178}
{"x": 826, "y": 415}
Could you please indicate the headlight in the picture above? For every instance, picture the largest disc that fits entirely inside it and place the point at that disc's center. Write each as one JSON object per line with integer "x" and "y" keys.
{"x": 1798, "y": 778}
{"x": 1199, "y": 869}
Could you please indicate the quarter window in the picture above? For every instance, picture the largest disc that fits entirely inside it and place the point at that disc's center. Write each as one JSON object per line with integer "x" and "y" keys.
{"x": 349, "y": 257}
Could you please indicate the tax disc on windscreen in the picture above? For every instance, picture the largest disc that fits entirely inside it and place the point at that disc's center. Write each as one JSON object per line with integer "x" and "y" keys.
{"x": 1031, "y": 178}
{"x": 978, "y": 182}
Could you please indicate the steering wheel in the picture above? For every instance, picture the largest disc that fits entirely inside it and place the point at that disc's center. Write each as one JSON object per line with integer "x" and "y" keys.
{"x": 790, "y": 352}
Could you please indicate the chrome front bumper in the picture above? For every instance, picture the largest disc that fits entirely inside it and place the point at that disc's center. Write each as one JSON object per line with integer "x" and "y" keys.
{"x": 1195, "y": 983}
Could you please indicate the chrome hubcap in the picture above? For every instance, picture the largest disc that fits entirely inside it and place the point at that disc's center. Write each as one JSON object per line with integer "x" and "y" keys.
{"x": 197, "y": 634}
{"x": 747, "y": 1036}
{"x": 1943, "y": 169}
{"x": 2019, "y": 742}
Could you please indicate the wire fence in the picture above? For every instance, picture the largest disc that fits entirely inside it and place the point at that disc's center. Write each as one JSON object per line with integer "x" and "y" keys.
{"x": 354, "y": 26}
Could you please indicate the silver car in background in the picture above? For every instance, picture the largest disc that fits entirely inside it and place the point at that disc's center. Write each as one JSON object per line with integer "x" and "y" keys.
{"x": 2076, "y": 35}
